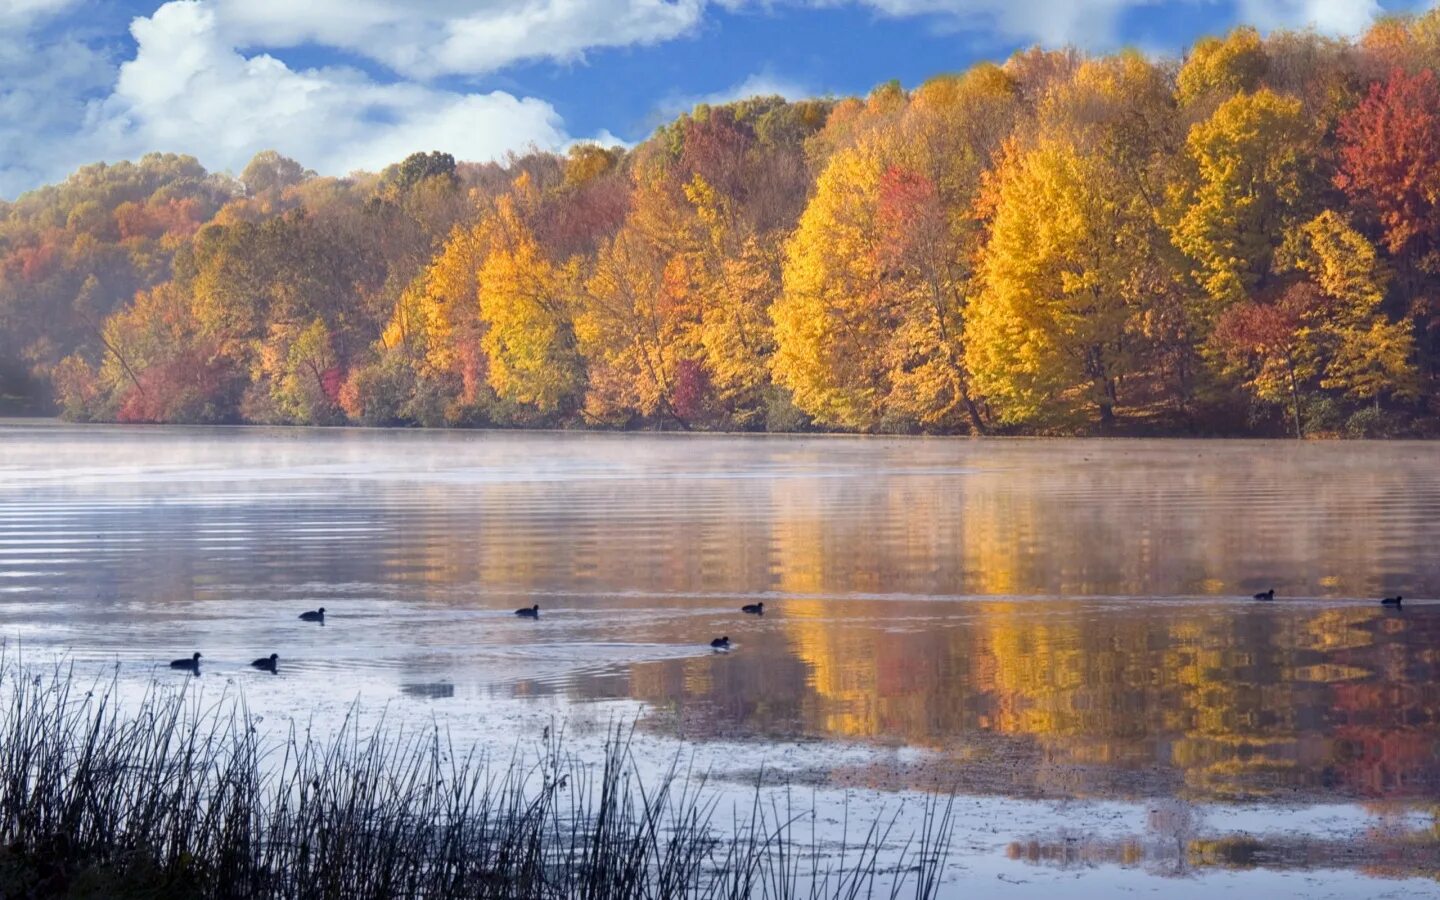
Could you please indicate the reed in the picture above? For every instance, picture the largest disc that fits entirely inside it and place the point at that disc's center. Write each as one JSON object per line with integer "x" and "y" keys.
{"x": 171, "y": 796}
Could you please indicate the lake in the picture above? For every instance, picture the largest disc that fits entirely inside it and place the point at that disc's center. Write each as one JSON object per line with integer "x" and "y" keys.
{"x": 1060, "y": 631}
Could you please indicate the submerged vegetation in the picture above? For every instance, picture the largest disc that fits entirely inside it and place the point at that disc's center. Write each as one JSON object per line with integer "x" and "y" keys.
{"x": 1243, "y": 241}
{"x": 175, "y": 799}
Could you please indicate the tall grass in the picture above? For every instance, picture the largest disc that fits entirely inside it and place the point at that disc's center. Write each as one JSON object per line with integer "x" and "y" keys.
{"x": 171, "y": 796}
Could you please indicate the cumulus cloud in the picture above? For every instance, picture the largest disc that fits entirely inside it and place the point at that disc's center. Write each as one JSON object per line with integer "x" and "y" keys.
{"x": 43, "y": 86}
{"x": 427, "y": 38}
{"x": 189, "y": 88}
{"x": 1096, "y": 23}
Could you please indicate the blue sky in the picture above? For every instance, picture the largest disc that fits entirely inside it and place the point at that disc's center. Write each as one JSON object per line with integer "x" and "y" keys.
{"x": 346, "y": 84}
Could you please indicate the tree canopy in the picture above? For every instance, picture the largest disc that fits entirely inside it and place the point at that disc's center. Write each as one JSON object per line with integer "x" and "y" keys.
{"x": 1245, "y": 241}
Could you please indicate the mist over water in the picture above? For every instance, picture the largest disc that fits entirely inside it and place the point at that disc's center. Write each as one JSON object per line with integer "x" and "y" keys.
{"x": 1031, "y": 619}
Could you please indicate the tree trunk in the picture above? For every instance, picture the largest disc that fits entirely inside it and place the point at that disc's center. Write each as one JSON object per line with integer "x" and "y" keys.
{"x": 1295, "y": 400}
{"x": 119, "y": 357}
{"x": 977, "y": 424}
{"x": 1109, "y": 398}
{"x": 1107, "y": 415}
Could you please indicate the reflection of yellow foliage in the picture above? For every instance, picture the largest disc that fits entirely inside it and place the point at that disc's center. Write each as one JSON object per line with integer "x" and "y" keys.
{"x": 697, "y": 678}
{"x": 799, "y": 540}
{"x": 1091, "y": 689}
{"x": 845, "y": 688}
{"x": 1336, "y": 629}
{"x": 1228, "y": 853}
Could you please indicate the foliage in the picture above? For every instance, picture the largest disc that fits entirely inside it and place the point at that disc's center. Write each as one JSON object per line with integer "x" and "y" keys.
{"x": 1222, "y": 67}
{"x": 1390, "y": 159}
{"x": 1057, "y": 244}
{"x": 525, "y": 304}
{"x": 1053, "y": 334}
{"x": 1252, "y": 160}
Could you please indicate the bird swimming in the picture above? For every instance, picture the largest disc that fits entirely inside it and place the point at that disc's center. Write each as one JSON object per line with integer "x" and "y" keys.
{"x": 267, "y": 663}
{"x": 1266, "y": 595}
{"x": 755, "y": 609}
{"x": 314, "y": 615}
{"x": 721, "y": 643}
{"x": 1396, "y": 601}
{"x": 189, "y": 665}
{"x": 529, "y": 612}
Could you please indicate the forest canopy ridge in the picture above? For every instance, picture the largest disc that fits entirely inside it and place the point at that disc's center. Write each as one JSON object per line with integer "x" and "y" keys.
{"x": 1244, "y": 240}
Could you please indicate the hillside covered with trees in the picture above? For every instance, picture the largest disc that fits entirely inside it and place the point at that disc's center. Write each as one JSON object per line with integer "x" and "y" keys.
{"x": 1245, "y": 241}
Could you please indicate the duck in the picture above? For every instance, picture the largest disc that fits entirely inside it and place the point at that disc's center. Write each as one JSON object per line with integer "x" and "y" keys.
{"x": 1266, "y": 595}
{"x": 1395, "y": 601}
{"x": 754, "y": 609}
{"x": 267, "y": 663}
{"x": 721, "y": 643}
{"x": 529, "y": 612}
{"x": 189, "y": 665}
{"x": 314, "y": 615}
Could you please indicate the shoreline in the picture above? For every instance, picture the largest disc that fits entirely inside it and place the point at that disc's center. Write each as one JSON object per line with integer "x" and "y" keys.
{"x": 58, "y": 422}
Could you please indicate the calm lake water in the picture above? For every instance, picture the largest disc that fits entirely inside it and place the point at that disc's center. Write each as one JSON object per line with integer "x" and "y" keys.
{"x": 1060, "y": 630}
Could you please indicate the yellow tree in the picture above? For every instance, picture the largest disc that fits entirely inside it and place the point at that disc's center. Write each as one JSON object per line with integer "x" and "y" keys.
{"x": 635, "y": 329}
{"x": 1324, "y": 324}
{"x": 1076, "y": 280}
{"x": 831, "y": 328}
{"x": 1222, "y": 67}
{"x": 1251, "y": 182}
{"x": 525, "y": 302}
{"x": 1052, "y": 334}
{"x": 157, "y": 367}
{"x": 658, "y": 291}
{"x": 878, "y": 274}
{"x": 435, "y": 326}
{"x": 738, "y": 275}
{"x": 306, "y": 375}
{"x": 930, "y": 236}
{"x": 1371, "y": 356}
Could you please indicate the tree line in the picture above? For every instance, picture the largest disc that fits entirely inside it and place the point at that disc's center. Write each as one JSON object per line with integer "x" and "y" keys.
{"x": 1242, "y": 241}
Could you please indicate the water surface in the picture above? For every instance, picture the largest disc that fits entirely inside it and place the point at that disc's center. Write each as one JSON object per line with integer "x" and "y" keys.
{"x": 1060, "y": 623}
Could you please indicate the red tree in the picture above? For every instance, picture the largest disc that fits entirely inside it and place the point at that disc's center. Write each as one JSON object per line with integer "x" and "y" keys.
{"x": 1390, "y": 158}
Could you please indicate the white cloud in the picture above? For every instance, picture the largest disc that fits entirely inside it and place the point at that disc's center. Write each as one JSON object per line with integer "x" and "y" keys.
{"x": 201, "y": 83}
{"x": 424, "y": 38}
{"x": 1095, "y": 24}
{"x": 42, "y": 90}
{"x": 1087, "y": 23}
{"x": 189, "y": 90}
{"x": 15, "y": 13}
{"x": 1336, "y": 17}
{"x": 760, "y": 84}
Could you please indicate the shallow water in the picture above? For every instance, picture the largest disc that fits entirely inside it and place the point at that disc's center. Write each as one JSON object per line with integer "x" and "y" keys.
{"x": 1052, "y": 627}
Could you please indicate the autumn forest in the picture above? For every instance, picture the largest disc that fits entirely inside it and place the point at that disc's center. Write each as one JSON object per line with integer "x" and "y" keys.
{"x": 1242, "y": 241}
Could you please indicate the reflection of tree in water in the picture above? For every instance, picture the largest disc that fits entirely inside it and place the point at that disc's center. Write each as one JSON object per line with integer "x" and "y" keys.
{"x": 1172, "y": 828}
{"x": 437, "y": 690}
{"x": 1063, "y": 696}
{"x": 1384, "y": 729}
{"x": 1176, "y": 843}
{"x": 1067, "y": 698}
